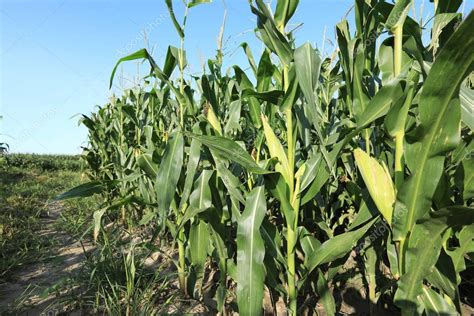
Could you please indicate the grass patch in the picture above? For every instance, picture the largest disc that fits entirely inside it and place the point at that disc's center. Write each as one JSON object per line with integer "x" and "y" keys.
{"x": 27, "y": 189}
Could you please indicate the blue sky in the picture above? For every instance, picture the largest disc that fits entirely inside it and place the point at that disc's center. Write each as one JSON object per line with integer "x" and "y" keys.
{"x": 56, "y": 55}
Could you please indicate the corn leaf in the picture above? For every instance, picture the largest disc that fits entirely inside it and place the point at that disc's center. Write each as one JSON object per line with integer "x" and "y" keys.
{"x": 254, "y": 105}
{"x": 272, "y": 96}
{"x": 327, "y": 298}
{"x": 250, "y": 254}
{"x": 145, "y": 162}
{"x": 264, "y": 72}
{"x": 229, "y": 149}
{"x": 194, "y": 3}
{"x": 277, "y": 151}
{"x": 179, "y": 29}
{"x": 435, "y": 304}
{"x": 467, "y": 106}
{"x": 199, "y": 238}
{"x": 98, "y": 221}
{"x": 83, "y": 190}
{"x": 270, "y": 34}
{"x": 307, "y": 66}
{"x": 194, "y": 156}
{"x": 439, "y": 131}
{"x": 398, "y": 14}
{"x": 337, "y": 246}
{"x": 201, "y": 196}
{"x": 444, "y": 275}
{"x": 250, "y": 58}
{"x": 425, "y": 243}
{"x": 284, "y": 11}
{"x": 140, "y": 54}
{"x": 169, "y": 172}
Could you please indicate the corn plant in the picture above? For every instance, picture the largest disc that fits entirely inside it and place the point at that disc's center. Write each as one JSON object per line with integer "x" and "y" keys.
{"x": 277, "y": 176}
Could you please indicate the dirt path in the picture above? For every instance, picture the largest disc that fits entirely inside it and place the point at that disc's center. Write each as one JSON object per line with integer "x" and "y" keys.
{"x": 31, "y": 289}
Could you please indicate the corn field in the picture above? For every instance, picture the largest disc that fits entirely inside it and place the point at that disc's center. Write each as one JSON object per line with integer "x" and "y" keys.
{"x": 274, "y": 175}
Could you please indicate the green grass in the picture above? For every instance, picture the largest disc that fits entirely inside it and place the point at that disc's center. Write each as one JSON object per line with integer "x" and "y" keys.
{"x": 27, "y": 187}
{"x": 43, "y": 162}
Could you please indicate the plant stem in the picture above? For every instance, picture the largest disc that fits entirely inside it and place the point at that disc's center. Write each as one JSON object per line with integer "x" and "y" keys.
{"x": 291, "y": 226}
{"x": 291, "y": 273}
{"x": 399, "y": 165}
{"x": 397, "y": 68}
{"x": 399, "y": 168}
{"x": 181, "y": 262}
{"x": 367, "y": 141}
{"x": 292, "y": 236}
{"x": 181, "y": 67}
{"x": 397, "y": 49}
{"x": 181, "y": 81}
{"x": 289, "y": 131}
{"x": 291, "y": 146}
{"x": 399, "y": 138}
{"x": 181, "y": 234}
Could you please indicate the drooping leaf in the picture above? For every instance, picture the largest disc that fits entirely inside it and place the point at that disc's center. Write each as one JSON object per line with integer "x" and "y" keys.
{"x": 140, "y": 54}
{"x": 194, "y": 3}
{"x": 272, "y": 96}
{"x": 179, "y": 29}
{"x": 270, "y": 34}
{"x": 250, "y": 58}
{"x": 380, "y": 104}
{"x": 230, "y": 181}
{"x": 338, "y": 246}
{"x": 83, "y": 190}
{"x": 229, "y": 149}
